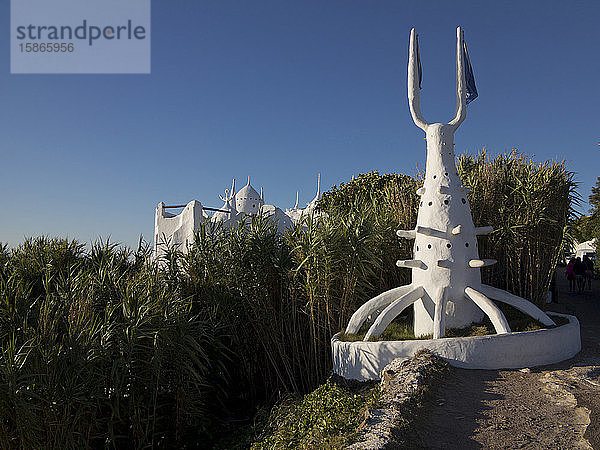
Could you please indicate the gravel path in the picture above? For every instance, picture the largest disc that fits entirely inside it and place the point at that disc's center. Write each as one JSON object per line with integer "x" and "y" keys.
{"x": 547, "y": 407}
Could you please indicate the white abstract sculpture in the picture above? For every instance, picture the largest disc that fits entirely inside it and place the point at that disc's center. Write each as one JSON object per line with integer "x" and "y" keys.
{"x": 446, "y": 288}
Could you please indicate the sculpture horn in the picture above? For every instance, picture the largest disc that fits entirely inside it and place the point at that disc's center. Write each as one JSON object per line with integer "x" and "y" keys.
{"x": 413, "y": 84}
{"x": 461, "y": 85}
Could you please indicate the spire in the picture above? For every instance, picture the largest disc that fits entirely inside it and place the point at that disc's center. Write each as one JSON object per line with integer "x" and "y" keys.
{"x": 233, "y": 188}
{"x": 248, "y": 181}
{"x": 226, "y": 198}
{"x": 297, "y": 198}
{"x": 319, "y": 184}
{"x": 318, "y": 196}
{"x": 262, "y": 195}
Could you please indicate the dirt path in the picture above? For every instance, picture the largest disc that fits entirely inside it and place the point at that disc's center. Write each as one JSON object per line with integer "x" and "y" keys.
{"x": 547, "y": 407}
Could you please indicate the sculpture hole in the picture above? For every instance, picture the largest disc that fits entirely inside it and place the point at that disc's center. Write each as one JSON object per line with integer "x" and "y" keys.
{"x": 430, "y": 203}
{"x": 446, "y": 202}
{"x": 428, "y": 245}
{"x": 464, "y": 201}
{"x": 434, "y": 177}
{"x": 446, "y": 173}
{"x": 448, "y": 245}
{"x": 466, "y": 244}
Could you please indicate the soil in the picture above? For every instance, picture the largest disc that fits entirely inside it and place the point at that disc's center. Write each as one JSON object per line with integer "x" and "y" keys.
{"x": 554, "y": 406}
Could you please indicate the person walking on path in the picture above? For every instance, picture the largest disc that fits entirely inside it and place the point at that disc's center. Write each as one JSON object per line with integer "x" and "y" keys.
{"x": 579, "y": 269}
{"x": 589, "y": 271}
{"x": 571, "y": 274}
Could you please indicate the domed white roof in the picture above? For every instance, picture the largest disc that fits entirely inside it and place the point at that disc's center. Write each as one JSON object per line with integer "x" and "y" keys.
{"x": 247, "y": 200}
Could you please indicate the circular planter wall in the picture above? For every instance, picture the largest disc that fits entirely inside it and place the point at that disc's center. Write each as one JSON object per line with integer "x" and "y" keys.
{"x": 364, "y": 360}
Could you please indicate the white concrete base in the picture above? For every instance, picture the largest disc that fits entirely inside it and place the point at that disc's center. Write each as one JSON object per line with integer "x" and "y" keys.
{"x": 364, "y": 360}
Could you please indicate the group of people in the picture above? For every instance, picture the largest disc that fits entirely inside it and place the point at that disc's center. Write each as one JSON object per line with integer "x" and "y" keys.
{"x": 579, "y": 273}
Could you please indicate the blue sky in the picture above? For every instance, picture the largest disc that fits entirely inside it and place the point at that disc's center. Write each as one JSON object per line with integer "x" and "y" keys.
{"x": 282, "y": 90}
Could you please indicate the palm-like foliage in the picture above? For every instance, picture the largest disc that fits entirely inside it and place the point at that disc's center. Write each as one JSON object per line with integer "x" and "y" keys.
{"x": 98, "y": 349}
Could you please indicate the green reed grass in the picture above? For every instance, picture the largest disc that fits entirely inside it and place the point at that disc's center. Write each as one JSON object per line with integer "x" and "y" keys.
{"x": 98, "y": 350}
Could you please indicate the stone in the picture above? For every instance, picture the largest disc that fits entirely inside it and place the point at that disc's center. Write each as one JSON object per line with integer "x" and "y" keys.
{"x": 401, "y": 381}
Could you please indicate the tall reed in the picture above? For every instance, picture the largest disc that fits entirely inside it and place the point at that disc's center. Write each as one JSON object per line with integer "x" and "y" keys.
{"x": 529, "y": 205}
{"x": 98, "y": 350}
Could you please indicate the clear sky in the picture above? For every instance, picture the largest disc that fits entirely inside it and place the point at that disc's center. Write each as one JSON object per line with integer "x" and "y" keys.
{"x": 281, "y": 90}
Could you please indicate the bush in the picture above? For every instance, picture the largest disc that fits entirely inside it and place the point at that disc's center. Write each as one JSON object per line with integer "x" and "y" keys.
{"x": 325, "y": 418}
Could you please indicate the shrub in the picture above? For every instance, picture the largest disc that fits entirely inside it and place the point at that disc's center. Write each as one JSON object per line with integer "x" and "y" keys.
{"x": 325, "y": 418}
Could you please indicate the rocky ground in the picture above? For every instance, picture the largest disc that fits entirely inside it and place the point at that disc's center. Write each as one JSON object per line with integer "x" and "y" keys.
{"x": 546, "y": 407}
{"x": 405, "y": 386}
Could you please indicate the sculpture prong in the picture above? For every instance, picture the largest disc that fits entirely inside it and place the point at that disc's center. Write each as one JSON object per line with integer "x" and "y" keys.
{"x": 431, "y": 232}
{"x": 439, "y": 319}
{"x": 406, "y": 234}
{"x": 490, "y": 309}
{"x": 413, "y": 84}
{"x": 482, "y": 231}
{"x": 412, "y": 264}
{"x": 461, "y": 85}
{"x": 517, "y": 302}
{"x": 392, "y": 311}
{"x": 379, "y": 302}
{"x": 445, "y": 263}
{"x": 477, "y": 263}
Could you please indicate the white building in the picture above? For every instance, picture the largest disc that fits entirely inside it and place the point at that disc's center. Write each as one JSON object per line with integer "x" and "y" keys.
{"x": 296, "y": 213}
{"x": 178, "y": 229}
{"x": 585, "y": 248}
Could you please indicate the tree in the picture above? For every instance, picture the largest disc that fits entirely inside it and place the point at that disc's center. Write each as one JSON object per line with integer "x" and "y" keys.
{"x": 595, "y": 197}
{"x": 585, "y": 227}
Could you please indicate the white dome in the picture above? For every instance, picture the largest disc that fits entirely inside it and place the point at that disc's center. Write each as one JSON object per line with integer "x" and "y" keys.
{"x": 247, "y": 200}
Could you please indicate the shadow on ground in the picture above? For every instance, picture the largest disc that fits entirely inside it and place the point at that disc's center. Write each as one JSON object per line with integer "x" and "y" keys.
{"x": 543, "y": 407}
